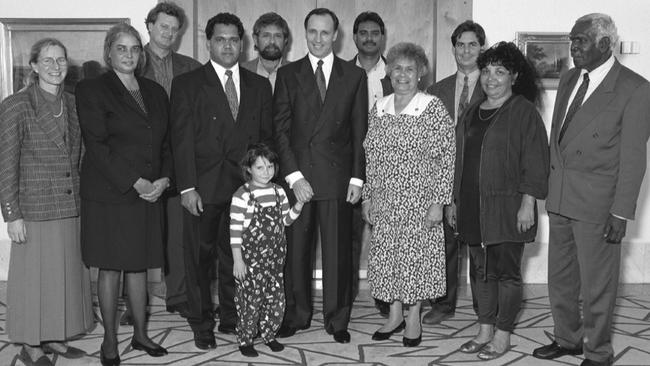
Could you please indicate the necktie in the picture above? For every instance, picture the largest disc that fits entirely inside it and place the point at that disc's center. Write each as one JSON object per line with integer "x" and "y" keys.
{"x": 231, "y": 94}
{"x": 462, "y": 102}
{"x": 320, "y": 80}
{"x": 575, "y": 105}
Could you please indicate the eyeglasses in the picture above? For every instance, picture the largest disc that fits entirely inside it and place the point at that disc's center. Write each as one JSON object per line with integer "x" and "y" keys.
{"x": 49, "y": 61}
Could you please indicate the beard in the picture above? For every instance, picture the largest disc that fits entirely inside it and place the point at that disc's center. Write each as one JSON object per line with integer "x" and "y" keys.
{"x": 271, "y": 52}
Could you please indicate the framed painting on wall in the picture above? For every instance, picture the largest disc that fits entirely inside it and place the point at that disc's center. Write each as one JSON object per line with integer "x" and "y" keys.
{"x": 548, "y": 52}
{"x": 83, "y": 38}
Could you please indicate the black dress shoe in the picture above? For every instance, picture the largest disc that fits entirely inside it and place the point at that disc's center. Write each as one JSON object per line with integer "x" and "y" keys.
{"x": 342, "y": 336}
{"x": 248, "y": 351}
{"x": 225, "y": 329}
{"x": 588, "y": 362}
{"x": 554, "y": 350}
{"x": 70, "y": 352}
{"x": 115, "y": 361}
{"x": 382, "y": 336}
{"x": 275, "y": 346}
{"x": 157, "y": 351}
{"x": 285, "y": 331}
{"x": 412, "y": 342}
{"x": 204, "y": 339}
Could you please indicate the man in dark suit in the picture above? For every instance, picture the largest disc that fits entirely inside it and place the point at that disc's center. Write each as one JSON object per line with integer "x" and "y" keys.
{"x": 271, "y": 37}
{"x": 369, "y": 35}
{"x": 216, "y": 112}
{"x": 457, "y": 91}
{"x": 601, "y": 123}
{"x": 164, "y": 23}
{"x": 320, "y": 120}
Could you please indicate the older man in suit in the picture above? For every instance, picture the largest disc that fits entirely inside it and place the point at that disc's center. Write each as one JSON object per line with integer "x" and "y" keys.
{"x": 164, "y": 23}
{"x": 457, "y": 91}
{"x": 216, "y": 112}
{"x": 601, "y": 124}
{"x": 271, "y": 37}
{"x": 320, "y": 120}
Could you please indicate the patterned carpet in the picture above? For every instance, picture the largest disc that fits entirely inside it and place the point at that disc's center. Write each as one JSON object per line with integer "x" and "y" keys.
{"x": 315, "y": 347}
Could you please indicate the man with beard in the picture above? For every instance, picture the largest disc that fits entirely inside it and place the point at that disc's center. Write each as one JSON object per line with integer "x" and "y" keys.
{"x": 369, "y": 35}
{"x": 271, "y": 37}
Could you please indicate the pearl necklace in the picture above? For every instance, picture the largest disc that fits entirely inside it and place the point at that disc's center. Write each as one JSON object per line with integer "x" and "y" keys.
{"x": 61, "y": 111}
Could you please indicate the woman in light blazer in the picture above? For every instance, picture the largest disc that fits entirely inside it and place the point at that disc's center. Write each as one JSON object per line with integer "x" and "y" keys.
{"x": 48, "y": 289}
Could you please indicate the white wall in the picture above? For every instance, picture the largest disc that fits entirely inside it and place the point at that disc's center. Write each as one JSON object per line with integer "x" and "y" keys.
{"x": 136, "y": 11}
{"x": 501, "y": 20}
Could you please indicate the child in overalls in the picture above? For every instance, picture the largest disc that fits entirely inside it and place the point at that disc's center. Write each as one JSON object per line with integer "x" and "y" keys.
{"x": 258, "y": 214}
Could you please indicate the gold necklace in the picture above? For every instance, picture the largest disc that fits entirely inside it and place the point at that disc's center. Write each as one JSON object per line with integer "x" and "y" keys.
{"x": 61, "y": 111}
{"x": 489, "y": 117}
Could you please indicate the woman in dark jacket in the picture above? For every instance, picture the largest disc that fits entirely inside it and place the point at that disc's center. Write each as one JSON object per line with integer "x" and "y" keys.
{"x": 502, "y": 166}
{"x": 125, "y": 169}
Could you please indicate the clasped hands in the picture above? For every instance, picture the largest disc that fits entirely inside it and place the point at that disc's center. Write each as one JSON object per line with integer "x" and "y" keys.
{"x": 149, "y": 191}
{"x": 304, "y": 193}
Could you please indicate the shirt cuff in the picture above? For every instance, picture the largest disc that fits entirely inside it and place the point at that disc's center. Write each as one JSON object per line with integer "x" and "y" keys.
{"x": 356, "y": 182}
{"x": 293, "y": 178}
{"x": 620, "y": 217}
{"x": 187, "y": 190}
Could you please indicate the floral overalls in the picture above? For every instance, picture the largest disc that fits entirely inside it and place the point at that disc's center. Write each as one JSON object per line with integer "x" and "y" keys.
{"x": 259, "y": 298}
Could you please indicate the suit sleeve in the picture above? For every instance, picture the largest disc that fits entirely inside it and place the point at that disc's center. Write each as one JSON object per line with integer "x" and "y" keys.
{"x": 359, "y": 121}
{"x": 282, "y": 121}
{"x": 182, "y": 136}
{"x": 93, "y": 122}
{"x": 635, "y": 128}
{"x": 266, "y": 116}
{"x": 167, "y": 162}
{"x": 534, "y": 159}
{"x": 11, "y": 135}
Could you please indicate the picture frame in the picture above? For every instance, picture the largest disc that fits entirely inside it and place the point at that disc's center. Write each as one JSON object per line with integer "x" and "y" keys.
{"x": 549, "y": 53}
{"x": 83, "y": 38}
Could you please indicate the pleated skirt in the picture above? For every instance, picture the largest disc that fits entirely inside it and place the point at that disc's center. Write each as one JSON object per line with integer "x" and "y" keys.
{"x": 48, "y": 289}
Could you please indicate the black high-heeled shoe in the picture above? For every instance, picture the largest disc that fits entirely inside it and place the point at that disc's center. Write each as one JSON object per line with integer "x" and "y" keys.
{"x": 157, "y": 351}
{"x": 115, "y": 361}
{"x": 382, "y": 336}
{"x": 412, "y": 342}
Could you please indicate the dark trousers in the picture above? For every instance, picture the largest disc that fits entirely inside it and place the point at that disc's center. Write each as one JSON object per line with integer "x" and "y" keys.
{"x": 498, "y": 286}
{"x": 175, "y": 266}
{"x": 582, "y": 264}
{"x": 334, "y": 217}
{"x": 205, "y": 237}
{"x": 447, "y": 303}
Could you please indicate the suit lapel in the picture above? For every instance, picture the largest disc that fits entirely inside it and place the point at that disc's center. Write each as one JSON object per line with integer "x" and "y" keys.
{"x": 45, "y": 120}
{"x": 307, "y": 82}
{"x": 246, "y": 96}
{"x": 126, "y": 97}
{"x": 597, "y": 101}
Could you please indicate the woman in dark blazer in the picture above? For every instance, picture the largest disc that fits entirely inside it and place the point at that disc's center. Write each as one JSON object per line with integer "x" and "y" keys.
{"x": 48, "y": 289}
{"x": 126, "y": 167}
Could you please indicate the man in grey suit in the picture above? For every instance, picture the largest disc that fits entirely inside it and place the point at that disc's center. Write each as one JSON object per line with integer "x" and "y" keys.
{"x": 601, "y": 124}
{"x": 271, "y": 37}
{"x": 457, "y": 91}
{"x": 164, "y": 23}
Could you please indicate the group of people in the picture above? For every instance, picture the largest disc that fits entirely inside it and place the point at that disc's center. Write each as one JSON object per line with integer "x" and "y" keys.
{"x": 242, "y": 162}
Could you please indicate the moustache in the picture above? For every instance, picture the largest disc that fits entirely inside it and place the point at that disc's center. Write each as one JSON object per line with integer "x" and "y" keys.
{"x": 367, "y": 43}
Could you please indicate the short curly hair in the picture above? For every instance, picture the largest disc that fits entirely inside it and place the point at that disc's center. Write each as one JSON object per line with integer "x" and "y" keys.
{"x": 409, "y": 51}
{"x": 508, "y": 55}
{"x": 167, "y": 7}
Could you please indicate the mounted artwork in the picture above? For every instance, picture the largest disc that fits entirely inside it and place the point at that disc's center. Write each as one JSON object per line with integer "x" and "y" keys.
{"x": 548, "y": 52}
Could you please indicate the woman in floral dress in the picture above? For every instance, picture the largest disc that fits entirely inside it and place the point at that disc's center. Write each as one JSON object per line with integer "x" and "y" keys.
{"x": 410, "y": 151}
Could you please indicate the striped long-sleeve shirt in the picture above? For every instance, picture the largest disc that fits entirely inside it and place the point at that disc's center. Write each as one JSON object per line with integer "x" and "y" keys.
{"x": 242, "y": 208}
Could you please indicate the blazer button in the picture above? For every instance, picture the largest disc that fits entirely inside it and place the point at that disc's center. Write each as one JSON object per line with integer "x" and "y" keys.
{"x": 552, "y": 167}
{"x": 67, "y": 174}
{"x": 68, "y": 191}
{"x": 579, "y": 152}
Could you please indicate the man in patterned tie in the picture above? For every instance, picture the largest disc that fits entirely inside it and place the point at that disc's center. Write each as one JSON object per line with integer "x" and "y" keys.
{"x": 457, "y": 91}
{"x": 217, "y": 110}
{"x": 320, "y": 109}
{"x": 601, "y": 123}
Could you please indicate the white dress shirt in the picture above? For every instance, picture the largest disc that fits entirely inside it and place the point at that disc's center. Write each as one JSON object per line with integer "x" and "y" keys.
{"x": 375, "y": 89}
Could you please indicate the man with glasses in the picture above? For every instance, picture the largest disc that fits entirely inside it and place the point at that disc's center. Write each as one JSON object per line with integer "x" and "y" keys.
{"x": 457, "y": 91}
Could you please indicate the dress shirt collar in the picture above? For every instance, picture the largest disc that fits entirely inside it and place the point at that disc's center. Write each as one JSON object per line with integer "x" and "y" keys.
{"x": 379, "y": 67}
{"x": 328, "y": 61}
{"x": 472, "y": 78}
{"x": 597, "y": 75}
{"x": 416, "y": 106}
{"x": 221, "y": 73}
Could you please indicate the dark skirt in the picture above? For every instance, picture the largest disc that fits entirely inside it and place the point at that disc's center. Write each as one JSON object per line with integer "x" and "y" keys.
{"x": 124, "y": 236}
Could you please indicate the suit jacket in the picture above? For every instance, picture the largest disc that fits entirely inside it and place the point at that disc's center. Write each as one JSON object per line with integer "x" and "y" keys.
{"x": 445, "y": 89}
{"x": 39, "y": 169}
{"x": 386, "y": 86}
{"x": 321, "y": 140}
{"x": 208, "y": 143}
{"x": 180, "y": 65}
{"x": 598, "y": 167}
{"x": 123, "y": 143}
